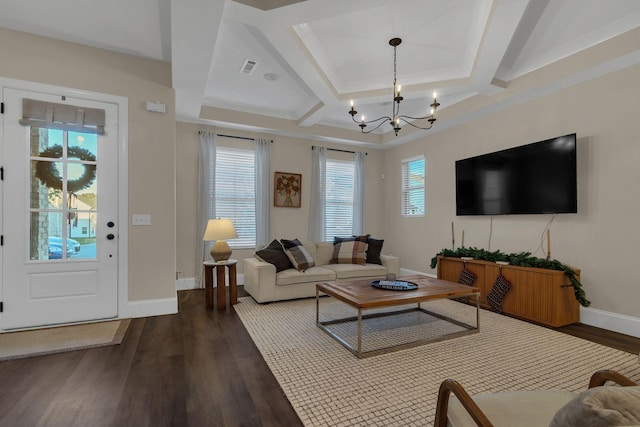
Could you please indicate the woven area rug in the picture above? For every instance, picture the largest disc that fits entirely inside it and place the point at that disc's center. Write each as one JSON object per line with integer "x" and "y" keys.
{"x": 328, "y": 386}
{"x": 38, "y": 342}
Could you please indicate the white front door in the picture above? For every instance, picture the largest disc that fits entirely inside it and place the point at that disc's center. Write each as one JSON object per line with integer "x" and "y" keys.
{"x": 59, "y": 216}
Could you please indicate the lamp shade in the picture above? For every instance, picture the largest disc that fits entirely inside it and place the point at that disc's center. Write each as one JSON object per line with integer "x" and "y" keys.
{"x": 219, "y": 229}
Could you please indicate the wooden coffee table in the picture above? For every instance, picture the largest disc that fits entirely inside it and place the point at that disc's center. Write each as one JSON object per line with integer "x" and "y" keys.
{"x": 361, "y": 295}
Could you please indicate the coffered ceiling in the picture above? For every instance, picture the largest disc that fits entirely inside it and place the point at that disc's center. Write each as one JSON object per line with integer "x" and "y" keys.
{"x": 310, "y": 58}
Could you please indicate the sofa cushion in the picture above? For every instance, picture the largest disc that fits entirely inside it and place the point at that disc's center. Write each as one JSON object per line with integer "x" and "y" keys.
{"x": 374, "y": 249}
{"x": 298, "y": 254}
{"x": 349, "y": 250}
{"x": 312, "y": 274}
{"x": 324, "y": 252}
{"x": 600, "y": 407}
{"x": 274, "y": 254}
{"x": 350, "y": 271}
{"x": 311, "y": 248}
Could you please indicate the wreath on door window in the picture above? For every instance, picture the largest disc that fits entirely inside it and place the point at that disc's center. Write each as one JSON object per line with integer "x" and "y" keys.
{"x": 48, "y": 174}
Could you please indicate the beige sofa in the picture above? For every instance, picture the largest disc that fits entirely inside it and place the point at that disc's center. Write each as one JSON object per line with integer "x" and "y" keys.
{"x": 265, "y": 285}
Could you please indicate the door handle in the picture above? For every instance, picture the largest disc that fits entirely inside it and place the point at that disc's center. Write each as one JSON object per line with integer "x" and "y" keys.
{"x": 110, "y": 236}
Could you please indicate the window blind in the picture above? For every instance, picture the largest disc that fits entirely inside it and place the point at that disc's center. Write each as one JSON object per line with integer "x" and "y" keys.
{"x": 235, "y": 193}
{"x": 53, "y": 115}
{"x": 339, "y": 198}
{"x": 413, "y": 184}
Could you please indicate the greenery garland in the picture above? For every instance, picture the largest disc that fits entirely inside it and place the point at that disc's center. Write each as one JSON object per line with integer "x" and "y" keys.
{"x": 48, "y": 174}
{"x": 522, "y": 259}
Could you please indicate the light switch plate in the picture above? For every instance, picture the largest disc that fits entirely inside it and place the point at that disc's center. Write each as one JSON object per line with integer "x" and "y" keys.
{"x": 141, "y": 220}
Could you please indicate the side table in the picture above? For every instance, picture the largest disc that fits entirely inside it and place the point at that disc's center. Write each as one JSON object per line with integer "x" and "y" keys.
{"x": 220, "y": 283}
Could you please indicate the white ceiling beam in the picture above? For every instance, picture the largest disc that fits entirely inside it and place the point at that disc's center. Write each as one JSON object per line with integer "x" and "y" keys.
{"x": 278, "y": 30}
{"x": 194, "y": 30}
{"x": 501, "y": 29}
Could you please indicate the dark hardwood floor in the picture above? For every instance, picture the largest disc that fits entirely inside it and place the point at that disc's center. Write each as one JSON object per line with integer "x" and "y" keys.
{"x": 195, "y": 368}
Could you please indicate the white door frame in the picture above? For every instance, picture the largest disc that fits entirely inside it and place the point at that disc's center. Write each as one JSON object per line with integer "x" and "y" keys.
{"x": 123, "y": 174}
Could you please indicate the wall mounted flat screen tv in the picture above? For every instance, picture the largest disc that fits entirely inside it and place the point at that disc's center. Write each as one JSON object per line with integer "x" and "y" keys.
{"x": 538, "y": 178}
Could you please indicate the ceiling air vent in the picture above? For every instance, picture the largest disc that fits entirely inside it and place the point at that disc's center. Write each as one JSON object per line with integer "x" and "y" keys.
{"x": 248, "y": 66}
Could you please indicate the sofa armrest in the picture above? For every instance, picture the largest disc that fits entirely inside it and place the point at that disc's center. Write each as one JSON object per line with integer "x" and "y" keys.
{"x": 259, "y": 279}
{"x": 392, "y": 263}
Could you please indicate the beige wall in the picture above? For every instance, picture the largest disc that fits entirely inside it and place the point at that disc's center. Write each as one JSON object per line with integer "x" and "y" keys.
{"x": 601, "y": 239}
{"x": 152, "y": 257}
{"x": 287, "y": 155}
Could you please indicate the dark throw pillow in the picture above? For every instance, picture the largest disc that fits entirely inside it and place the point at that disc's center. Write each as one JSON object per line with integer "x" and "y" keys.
{"x": 497, "y": 293}
{"x": 374, "y": 250}
{"x": 274, "y": 254}
{"x": 298, "y": 254}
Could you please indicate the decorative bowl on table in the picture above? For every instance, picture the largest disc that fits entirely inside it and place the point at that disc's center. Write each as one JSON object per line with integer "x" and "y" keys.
{"x": 394, "y": 285}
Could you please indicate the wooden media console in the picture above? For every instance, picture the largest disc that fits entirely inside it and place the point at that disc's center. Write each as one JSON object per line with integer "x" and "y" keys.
{"x": 538, "y": 295}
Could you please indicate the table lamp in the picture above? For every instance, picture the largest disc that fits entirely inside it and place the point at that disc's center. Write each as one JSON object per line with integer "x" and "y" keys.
{"x": 220, "y": 230}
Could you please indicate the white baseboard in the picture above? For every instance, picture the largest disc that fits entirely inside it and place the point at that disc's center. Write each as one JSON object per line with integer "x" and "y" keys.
{"x": 405, "y": 272}
{"x": 190, "y": 282}
{"x": 155, "y": 307}
{"x": 610, "y": 321}
{"x": 186, "y": 283}
{"x": 589, "y": 316}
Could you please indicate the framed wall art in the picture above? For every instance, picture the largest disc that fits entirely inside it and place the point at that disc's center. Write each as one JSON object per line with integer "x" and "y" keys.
{"x": 287, "y": 190}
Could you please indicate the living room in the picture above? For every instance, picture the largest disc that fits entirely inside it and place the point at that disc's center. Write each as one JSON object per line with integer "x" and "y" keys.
{"x": 599, "y": 110}
{"x": 591, "y": 92}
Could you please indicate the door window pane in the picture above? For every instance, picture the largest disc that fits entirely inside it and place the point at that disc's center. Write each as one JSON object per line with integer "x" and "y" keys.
{"x": 63, "y": 187}
{"x": 46, "y": 241}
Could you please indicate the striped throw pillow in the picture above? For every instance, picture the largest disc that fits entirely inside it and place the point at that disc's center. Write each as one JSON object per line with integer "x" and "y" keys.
{"x": 298, "y": 255}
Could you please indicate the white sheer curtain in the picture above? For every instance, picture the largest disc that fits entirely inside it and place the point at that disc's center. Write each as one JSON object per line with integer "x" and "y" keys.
{"x": 358, "y": 194}
{"x": 317, "y": 204}
{"x": 206, "y": 199}
{"x": 263, "y": 186}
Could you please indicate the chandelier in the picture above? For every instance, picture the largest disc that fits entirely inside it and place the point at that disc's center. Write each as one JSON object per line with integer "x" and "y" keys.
{"x": 396, "y": 117}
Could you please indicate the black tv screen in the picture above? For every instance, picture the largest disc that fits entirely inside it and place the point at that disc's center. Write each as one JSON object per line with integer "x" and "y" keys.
{"x": 538, "y": 178}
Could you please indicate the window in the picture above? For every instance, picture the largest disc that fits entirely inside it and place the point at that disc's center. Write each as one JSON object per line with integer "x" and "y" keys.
{"x": 413, "y": 173}
{"x": 235, "y": 193}
{"x": 339, "y": 198}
